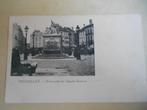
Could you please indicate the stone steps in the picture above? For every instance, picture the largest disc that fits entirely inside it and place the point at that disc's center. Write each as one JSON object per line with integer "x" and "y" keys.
{"x": 50, "y": 56}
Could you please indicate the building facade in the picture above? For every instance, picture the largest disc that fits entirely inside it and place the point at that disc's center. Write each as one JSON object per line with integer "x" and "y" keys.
{"x": 18, "y": 39}
{"x": 86, "y": 35}
{"x": 36, "y": 39}
{"x": 67, "y": 38}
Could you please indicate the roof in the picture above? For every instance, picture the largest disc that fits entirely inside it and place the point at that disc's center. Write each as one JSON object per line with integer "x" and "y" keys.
{"x": 51, "y": 35}
{"x": 66, "y": 29}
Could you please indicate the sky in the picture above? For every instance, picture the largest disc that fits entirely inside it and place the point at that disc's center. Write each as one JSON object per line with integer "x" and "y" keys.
{"x": 41, "y": 22}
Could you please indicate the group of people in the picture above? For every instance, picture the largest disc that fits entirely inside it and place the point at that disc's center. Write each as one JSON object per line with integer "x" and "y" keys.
{"x": 19, "y": 69}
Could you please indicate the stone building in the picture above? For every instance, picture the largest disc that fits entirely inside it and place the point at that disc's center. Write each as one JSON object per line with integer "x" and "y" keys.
{"x": 36, "y": 39}
{"x": 67, "y": 38}
{"x": 86, "y": 35}
{"x": 18, "y": 39}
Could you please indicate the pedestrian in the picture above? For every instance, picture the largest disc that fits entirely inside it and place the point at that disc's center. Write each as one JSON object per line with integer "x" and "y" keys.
{"x": 15, "y": 61}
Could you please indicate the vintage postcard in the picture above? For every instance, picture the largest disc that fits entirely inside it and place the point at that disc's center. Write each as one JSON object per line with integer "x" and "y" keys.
{"x": 74, "y": 59}
{"x": 53, "y": 47}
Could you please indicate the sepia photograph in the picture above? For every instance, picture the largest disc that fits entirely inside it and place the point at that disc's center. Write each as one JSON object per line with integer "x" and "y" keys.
{"x": 52, "y": 46}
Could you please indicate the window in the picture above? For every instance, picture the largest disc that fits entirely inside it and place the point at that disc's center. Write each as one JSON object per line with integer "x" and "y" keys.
{"x": 66, "y": 42}
{"x": 66, "y": 37}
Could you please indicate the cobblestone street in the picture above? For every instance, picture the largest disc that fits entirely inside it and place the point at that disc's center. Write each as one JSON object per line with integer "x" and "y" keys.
{"x": 65, "y": 67}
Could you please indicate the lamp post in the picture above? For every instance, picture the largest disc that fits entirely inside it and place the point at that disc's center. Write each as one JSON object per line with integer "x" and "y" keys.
{"x": 26, "y": 52}
{"x": 77, "y": 43}
{"x": 70, "y": 44}
{"x": 33, "y": 40}
{"x": 33, "y": 35}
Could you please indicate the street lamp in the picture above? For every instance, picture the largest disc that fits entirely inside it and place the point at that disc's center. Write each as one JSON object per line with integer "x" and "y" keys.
{"x": 77, "y": 43}
{"x": 77, "y": 34}
{"x": 26, "y": 32}
{"x": 33, "y": 35}
{"x": 69, "y": 49}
